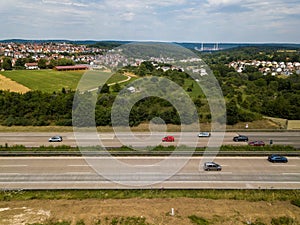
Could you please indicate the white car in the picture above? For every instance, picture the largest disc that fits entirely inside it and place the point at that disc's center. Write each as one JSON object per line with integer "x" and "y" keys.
{"x": 204, "y": 134}
{"x": 55, "y": 139}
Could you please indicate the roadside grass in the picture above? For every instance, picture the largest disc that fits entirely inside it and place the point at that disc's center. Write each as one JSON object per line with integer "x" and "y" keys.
{"x": 293, "y": 124}
{"x": 45, "y": 80}
{"x": 36, "y": 129}
{"x": 150, "y": 149}
{"x": 132, "y": 220}
{"x": 248, "y": 195}
{"x": 145, "y": 127}
{"x": 282, "y": 123}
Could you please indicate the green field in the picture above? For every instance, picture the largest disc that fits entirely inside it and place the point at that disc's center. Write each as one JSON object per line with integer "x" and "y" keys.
{"x": 51, "y": 80}
{"x": 45, "y": 80}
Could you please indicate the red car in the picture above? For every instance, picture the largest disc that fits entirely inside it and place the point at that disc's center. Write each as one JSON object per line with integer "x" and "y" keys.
{"x": 168, "y": 139}
{"x": 257, "y": 143}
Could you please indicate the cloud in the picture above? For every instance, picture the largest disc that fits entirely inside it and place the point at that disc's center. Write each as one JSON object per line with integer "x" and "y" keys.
{"x": 127, "y": 16}
{"x": 65, "y": 2}
{"x": 223, "y": 2}
{"x": 182, "y": 20}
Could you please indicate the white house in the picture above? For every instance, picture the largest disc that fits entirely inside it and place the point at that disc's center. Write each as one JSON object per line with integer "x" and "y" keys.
{"x": 31, "y": 66}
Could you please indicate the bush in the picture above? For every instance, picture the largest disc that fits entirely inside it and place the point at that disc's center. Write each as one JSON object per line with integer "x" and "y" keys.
{"x": 284, "y": 220}
{"x": 296, "y": 202}
{"x": 198, "y": 220}
{"x": 80, "y": 222}
{"x": 51, "y": 222}
{"x": 257, "y": 222}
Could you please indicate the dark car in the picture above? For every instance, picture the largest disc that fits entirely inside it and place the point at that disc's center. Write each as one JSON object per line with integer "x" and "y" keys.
{"x": 277, "y": 158}
{"x": 256, "y": 143}
{"x": 208, "y": 166}
{"x": 240, "y": 138}
{"x": 55, "y": 139}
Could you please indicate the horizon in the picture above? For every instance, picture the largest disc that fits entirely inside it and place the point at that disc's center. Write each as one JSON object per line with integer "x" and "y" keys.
{"x": 158, "y": 41}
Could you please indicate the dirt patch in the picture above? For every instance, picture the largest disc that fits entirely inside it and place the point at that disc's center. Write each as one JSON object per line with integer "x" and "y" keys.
{"x": 130, "y": 74}
{"x": 156, "y": 211}
{"x": 293, "y": 125}
{"x": 10, "y": 85}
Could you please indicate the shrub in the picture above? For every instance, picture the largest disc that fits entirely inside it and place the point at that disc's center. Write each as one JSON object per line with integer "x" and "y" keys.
{"x": 198, "y": 220}
{"x": 80, "y": 222}
{"x": 296, "y": 202}
{"x": 51, "y": 222}
{"x": 284, "y": 220}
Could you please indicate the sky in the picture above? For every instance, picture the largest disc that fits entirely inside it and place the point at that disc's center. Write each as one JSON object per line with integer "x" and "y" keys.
{"x": 224, "y": 21}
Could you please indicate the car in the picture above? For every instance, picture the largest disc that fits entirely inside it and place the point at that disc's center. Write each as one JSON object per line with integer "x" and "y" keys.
{"x": 56, "y": 139}
{"x": 240, "y": 138}
{"x": 208, "y": 166}
{"x": 256, "y": 143}
{"x": 168, "y": 139}
{"x": 204, "y": 134}
{"x": 277, "y": 158}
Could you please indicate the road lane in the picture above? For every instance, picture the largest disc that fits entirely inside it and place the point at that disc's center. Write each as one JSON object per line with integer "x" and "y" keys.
{"x": 32, "y": 139}
{"x": 74, "y": 172}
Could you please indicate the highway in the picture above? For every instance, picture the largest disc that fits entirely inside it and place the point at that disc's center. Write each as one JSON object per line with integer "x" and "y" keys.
{"x": 143, "y": 139}
{"x": 146, "y": 172}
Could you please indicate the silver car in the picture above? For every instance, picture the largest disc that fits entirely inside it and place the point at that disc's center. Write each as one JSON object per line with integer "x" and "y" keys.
{"x": 204, "y": 134}
{"x": 208, "y": 166}
{"x": 55, "y": 139}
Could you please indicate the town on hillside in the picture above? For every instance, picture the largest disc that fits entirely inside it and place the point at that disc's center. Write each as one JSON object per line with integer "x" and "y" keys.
{"x": 68, "y": 56}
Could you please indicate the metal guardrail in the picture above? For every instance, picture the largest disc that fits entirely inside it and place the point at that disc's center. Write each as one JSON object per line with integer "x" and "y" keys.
{"x": 147, "y": 153}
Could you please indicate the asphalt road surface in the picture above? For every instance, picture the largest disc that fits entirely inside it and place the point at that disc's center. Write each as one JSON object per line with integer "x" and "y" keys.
{"x": 146, "y": 172}
{"x": 31, "y": 139}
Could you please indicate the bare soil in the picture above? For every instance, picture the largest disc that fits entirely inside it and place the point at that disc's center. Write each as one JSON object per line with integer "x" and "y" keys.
{"x": 156, "y": 211}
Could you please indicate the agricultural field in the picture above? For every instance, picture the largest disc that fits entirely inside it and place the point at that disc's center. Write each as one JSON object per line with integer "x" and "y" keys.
{"x": 10, "y": 85}
{"x": 51, "y": 80}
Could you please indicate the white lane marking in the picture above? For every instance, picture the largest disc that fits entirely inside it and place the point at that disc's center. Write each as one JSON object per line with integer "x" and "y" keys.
{"x": 1, "y": 174}
{"x": 13, "y": 165}
{"x": 146, "y": 165}
{"x": 290, "y": 173}
{"x": 78, "y": 173}
{"x": 216, "y": 172}
{"x": 283, "y": 164}
{"x": 79, "y": 165}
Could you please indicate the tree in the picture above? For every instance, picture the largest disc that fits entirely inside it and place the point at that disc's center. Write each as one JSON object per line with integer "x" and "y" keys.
{"x": 7, "y": 64}
{"x": 103, "y": 89}
{"x": 116, "y": 87}
{"x": 42, "y": 63}
{"x": 20, "y": 63}
{"x": 232, "y": 113}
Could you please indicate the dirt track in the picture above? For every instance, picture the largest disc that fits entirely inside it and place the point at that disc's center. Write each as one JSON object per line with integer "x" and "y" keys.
{"x": 156, "y": 211}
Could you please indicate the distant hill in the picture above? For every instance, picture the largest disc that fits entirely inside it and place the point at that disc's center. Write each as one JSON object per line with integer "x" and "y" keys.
{"x": 189, "y": 45}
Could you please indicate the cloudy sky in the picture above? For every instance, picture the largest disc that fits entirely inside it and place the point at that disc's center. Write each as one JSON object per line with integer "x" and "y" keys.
{"x": 159, "y": 20}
